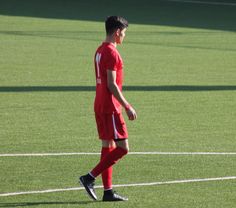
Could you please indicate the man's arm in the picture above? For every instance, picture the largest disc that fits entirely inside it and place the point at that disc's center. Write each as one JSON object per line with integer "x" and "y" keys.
{"x": 114, "y": 89}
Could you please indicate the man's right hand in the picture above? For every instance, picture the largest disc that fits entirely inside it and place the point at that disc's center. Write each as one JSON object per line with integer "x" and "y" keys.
{"x": 131, "y": 113}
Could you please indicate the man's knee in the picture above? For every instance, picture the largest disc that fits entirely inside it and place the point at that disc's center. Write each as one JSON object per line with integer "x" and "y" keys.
{"x": 124, "y": 145}
{"x": 108, "y": 143}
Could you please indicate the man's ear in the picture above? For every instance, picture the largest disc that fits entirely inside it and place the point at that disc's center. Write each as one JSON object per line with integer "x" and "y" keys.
{"x": 117, "y": 32}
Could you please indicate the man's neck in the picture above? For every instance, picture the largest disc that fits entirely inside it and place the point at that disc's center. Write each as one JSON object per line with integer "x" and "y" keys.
{"x": 110, "y": 40}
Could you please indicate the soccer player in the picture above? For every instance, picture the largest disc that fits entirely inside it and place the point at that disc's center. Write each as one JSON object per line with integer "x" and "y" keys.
{"x": 108, "y": 105}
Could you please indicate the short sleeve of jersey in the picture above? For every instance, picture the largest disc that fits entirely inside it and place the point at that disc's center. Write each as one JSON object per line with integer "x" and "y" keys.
{"x": 112, "y": 60}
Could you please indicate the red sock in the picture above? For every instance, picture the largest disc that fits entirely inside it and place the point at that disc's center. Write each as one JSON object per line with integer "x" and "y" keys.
{"x": 109, "y": 160}
{"x": 107, "y": 174}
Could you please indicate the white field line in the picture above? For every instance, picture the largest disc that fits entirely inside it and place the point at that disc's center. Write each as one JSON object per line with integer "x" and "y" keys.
{"x": 130, "y": 153}
{"x": 205, "y": 2}
{"x": 48, "y": 154}
{"x": 122, "y": 185}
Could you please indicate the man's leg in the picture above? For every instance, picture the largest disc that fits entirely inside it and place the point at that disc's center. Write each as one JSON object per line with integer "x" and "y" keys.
{"x": 110, "y": 195}
{"x": 107, "y": 147}
{"x": 121, "y": 150}
{"x": 110, "y": 159}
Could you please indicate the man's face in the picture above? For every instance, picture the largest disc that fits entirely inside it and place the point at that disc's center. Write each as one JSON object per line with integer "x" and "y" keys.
{"x": 120, "y": 35}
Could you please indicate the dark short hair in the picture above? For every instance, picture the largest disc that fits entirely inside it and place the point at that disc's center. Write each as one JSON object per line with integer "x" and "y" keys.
{"x": 115, "y": 22}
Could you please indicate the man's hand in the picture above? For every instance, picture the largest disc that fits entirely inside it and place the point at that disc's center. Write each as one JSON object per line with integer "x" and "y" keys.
{"x": 131, "y": 113}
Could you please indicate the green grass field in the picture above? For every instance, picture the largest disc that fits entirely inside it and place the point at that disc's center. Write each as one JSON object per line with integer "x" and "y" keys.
{"x": 179, "y": 75}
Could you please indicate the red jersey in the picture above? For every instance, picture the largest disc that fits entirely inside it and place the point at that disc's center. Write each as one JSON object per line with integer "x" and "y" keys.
{"x": 107, "y": 58}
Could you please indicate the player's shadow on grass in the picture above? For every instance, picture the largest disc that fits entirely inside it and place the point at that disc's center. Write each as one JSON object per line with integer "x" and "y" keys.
{"x": 28, "y": 204}
{"x": 188, "y": 88}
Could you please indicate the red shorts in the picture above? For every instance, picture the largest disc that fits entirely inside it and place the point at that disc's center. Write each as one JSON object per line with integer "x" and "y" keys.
{"x": 111, "y": 126}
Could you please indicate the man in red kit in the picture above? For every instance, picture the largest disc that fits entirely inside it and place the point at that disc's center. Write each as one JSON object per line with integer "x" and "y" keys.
{"x": 108, "y": 105}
